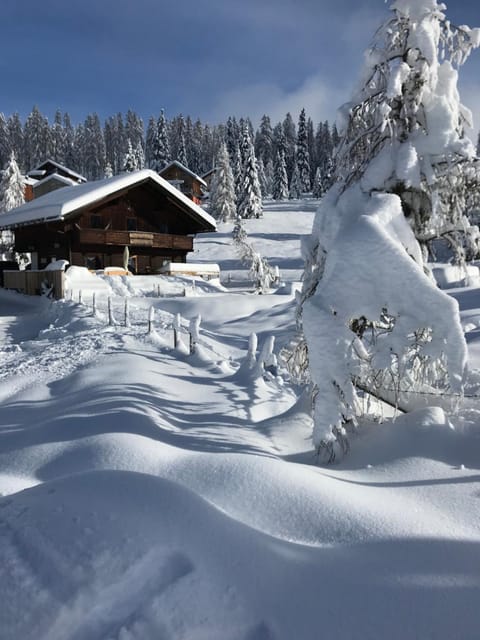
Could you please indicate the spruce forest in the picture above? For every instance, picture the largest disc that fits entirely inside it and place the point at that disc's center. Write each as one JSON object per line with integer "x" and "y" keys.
{"x": 302, "y": 150}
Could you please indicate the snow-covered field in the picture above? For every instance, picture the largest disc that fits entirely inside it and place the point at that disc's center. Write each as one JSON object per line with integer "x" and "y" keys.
{"x": 153, "y": 494}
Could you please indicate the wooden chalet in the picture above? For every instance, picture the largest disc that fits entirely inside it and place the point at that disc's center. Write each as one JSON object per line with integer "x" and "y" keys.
{"x": 91, "y": 224}
{"x": 51, "y": 175}
{"x": 185, "y": 181}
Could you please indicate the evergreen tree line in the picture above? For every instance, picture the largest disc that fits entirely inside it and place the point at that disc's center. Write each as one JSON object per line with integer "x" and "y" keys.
{"x": 290, "y": 158}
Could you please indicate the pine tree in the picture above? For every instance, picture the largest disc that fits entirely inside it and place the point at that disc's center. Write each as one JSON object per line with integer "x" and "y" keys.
{"x": 264, "y": 141}
{"x": 289, "y": 132}
{"x": 262, "y": 179}
{"x": 4, "y": 142}
{"x": 280, "y": 180}
{"x": 94, "y": 152}
{"x": 222, "y": 191}
{"x": 12, "y": 194}
{"x": 58, "y": 139}
{"x": 296, "y": 187}
{"x": 139, "y": 156}
{"x": 149, "y": 137}
{"x": 232, "y": 138}
{"x": 177, "y": 140}
{"x": 134, "y": 129}
{"x": 69, "y": 141}
{"x": 16, "y": 139}
{"x": 250, "y": 200}
{"x": 262, "y": 274}
{"x": 302, "y": 158}
{"x": 35, "y": 138}
{"x": 237, "y": 170}
{"x": 318, "y": 189}
{"x": 129, "y": 159}
{"x": 160, "y": 153}
{"x": 108, "y": 171}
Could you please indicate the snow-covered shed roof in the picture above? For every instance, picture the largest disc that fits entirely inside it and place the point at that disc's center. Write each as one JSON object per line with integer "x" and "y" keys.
{"x": 176, "y": 163}
{"x": 58, "y": 178}
{"x": 59, "y": 204}
{"x": 36, "y": 171}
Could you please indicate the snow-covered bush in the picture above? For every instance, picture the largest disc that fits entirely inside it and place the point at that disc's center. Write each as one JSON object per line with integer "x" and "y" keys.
{"x": 371, "y": 313}
{"x": 260, "y": 270}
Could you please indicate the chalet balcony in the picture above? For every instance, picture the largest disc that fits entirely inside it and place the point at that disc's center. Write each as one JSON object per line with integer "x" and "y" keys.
{"x": 139, "y": 239}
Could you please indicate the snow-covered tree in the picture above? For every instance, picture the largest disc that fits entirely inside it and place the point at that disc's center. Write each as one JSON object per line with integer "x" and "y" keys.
{"x": 371, "y": 314}
{"x": 262, "y": 179}
{"x": 264, "y": 141}
{"x": 237, "y": 170}
{"x": 160, "y": 150}
{"x": 295, "y": 191}
{"x": 93, "y": 143}
{"x": 302, "y": 156}
{"x": 261, "y": 272}
{"x": 250, "y": 197}
{"x": 177, "y": 140}
{"x": 232, "y": 139}
{"x": 280, "y": 180}
{"x": 108, "y": 171}
{"x": 222, "y": 191}
{"x": 35, "y": 138}
{"x": 12, "y": 194}
{"x": 318, "y": 190}
{"x": 16, "y": 139}
{"x": 130, "y": 159}
{"x": 134, "y": 129}
{"x": 4, "y": 141}
{"x": 290, "y": 139}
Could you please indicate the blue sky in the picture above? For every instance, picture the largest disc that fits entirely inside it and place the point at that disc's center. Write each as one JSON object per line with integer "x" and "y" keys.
{"x": 207, "y": 58}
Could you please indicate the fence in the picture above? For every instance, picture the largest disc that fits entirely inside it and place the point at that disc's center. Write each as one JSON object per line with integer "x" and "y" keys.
{"x": 32, "y": 282}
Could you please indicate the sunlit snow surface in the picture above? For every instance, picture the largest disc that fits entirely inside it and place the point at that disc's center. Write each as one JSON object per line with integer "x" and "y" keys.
{"x": 150, "y": 494}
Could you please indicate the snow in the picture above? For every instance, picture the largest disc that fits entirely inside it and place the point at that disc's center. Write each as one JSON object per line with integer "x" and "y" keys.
{"x": 59, "y": 203}
{"x": 152, "y": 494}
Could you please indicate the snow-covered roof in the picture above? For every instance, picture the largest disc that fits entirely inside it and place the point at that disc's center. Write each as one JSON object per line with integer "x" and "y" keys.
{"x": 58, "y": 204}
{"x": 209, "y": 172}
{"x": 56, "y": 176}
{"x": 178, "y": 164}
{"x": 62, "y": 167}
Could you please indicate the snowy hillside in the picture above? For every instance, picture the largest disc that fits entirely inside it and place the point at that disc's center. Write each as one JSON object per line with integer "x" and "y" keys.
{"x": 148, "y": 493}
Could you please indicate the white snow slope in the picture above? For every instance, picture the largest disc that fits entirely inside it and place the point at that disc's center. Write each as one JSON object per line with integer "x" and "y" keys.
{"x": 153, "y": 494}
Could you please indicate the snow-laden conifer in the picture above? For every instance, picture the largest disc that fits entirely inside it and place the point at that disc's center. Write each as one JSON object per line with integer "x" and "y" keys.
{"x": 129, "y": 159}
{"x": 302, "y": 156}
{"x": 280, "y": 180}
{"x": 160, "y": 146}
{"x": 261, "y": 272}
{"x": 250, "y": 197}
{"x": 12, "y": 194}
{"x": 295, "y": 191}
{"x": 318, "y": 190}
{"x": 222, "y": 191}
{"x": 372, "y": 316}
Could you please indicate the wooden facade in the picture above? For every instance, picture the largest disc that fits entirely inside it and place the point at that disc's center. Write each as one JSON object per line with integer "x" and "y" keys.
{"x": 156, "y": 226}
{"x": 185, "y": 181}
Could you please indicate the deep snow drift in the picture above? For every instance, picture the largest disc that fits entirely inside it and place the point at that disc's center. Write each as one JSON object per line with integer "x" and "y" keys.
{"x": 149, "y": 493}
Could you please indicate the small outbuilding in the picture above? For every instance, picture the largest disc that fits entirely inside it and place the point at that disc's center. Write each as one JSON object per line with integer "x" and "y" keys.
{"x": 191, "y": 185}
{"x": 90, "y": 224}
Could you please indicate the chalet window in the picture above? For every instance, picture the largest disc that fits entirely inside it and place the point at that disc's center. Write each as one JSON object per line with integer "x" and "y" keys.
{"x": 96, "y": 222}
{"x": 131, "y": 224}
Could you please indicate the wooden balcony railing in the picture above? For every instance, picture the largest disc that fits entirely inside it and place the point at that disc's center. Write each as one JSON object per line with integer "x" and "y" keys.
{"x": 134, "y": 239}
